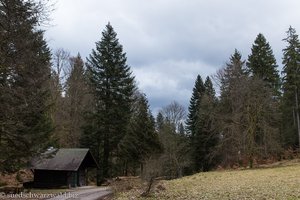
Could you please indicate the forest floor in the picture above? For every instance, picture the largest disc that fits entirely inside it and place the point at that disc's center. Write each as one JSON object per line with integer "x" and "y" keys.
{"x": 279, "y": 180}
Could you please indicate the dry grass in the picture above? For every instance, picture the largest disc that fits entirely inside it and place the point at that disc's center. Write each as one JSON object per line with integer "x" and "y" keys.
{"x": 15, "y": 179}
{"x": 125, "y": 184}
{"x": 282, "y": 181}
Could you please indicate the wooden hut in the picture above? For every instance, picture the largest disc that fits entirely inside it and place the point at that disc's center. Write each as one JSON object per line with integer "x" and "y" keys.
{"x": 62, "y": 167}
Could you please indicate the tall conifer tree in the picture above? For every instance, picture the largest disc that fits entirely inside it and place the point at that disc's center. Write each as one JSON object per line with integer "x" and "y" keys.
{"x": 25, "y": 124}
{"x": 262, "y": 63}
{"x": 159, "y": 121}
{"x": 232, "y": 78}
{"x": 233, "y": 72}
{"x": 141, "y": 141}
{"x": 248, "y": 122}
{"x": 291, "y": 88}
{"x": 198, "y": 91}
{"x": 113, "y": 86}
{"x": 204, "y": 139}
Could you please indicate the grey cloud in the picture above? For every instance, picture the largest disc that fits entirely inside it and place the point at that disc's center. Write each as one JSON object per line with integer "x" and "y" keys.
{"x": 170, "y": 80}
{"x": 169, "y": 42}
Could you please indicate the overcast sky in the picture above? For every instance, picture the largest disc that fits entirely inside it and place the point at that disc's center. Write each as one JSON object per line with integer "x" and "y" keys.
{"x": 169, "y": 42}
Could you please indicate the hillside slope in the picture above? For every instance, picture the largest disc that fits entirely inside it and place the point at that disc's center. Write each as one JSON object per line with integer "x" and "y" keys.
{"x": 279, "y": 182}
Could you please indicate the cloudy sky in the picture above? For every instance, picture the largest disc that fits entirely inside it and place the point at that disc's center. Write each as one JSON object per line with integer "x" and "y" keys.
{"x": 169, "y": 42}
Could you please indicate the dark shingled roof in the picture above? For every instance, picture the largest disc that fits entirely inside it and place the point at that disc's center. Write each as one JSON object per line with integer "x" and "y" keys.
{"x": 62, "y": 159}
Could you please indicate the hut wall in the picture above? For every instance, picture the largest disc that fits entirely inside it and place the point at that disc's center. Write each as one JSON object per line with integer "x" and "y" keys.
{"x": 50, "y": 178}
{"x": 82, "y": 178}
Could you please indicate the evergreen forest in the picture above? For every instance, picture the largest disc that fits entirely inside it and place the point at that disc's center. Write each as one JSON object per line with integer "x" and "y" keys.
{"x": 247, "y": 113}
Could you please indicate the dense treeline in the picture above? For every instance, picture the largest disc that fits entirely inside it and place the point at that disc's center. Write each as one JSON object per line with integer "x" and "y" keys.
{"x": 63, "y": 101}
{"x": 25, "y": 68}
{"x": 256, "y": 116}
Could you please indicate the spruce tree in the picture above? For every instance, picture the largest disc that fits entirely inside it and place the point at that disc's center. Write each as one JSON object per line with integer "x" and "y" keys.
{"x": 113, "y": 86}
{"x": 291, "y": 85}
{"x": 141, "y": 141}
{"x": 159, "y": 121}
{"x": 25, "y": 124}
{"x": 209, "y": 88}
{"x": 247, "y": 115}
{"x": 198, "y": 91}
{"x": 205, "y": 138}
{"x": 232, "y": 78}
{"x": 232, "y": 74}
{"x": 262, "y": 63}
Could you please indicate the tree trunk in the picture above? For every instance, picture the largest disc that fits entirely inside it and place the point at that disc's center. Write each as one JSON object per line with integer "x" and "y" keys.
{"x": 106, "y": 152}
{"x": 1, "y": 132}
{"x": 251, "y": 162}
{"x": 179, "y": 172}
{"x": 126, "y": 168}
{"x": 99, "y": 176}
{"x": 142, "y": 168}
{"x": 99, "y": 173}
{"x": 297, "y": 114}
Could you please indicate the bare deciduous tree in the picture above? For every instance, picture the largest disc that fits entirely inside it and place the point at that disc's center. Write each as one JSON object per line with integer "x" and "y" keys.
{"x": 175, "y": 114}
{"x": 60, "y": 67}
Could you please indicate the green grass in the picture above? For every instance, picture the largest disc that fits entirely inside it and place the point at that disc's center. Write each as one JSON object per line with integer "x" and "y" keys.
{"x": 280, "y": 182}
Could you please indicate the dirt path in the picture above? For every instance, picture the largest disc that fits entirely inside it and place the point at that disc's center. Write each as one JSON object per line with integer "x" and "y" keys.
{"x": 85, "y": 193}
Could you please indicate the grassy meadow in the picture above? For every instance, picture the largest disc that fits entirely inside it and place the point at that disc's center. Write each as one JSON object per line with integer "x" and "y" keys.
{"x": 280, "y": 181}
